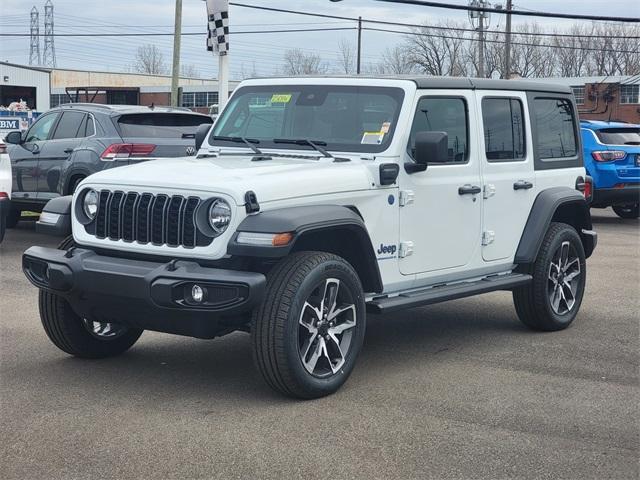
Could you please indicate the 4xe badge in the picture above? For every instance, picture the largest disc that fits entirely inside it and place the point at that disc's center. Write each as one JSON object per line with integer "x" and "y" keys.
{"x": 388, "y": 251}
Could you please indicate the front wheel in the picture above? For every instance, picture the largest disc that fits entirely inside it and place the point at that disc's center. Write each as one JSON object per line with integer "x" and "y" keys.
{"x": 552, "y": 300}
{"x": 627, "y": 211}
{"x": 79, "y": 336}
{"x": 310, "y": 327}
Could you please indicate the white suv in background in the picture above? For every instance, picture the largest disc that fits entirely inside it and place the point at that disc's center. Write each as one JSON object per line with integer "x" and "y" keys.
{"x": 316, "y": 201}
{"x": 5, "y": 187}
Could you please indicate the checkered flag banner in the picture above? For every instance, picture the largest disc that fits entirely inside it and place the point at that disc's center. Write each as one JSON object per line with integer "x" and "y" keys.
{"x": 218, "y": 26}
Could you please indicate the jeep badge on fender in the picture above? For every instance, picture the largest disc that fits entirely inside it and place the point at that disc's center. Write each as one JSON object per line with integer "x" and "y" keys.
{"x": 283, "y": 226}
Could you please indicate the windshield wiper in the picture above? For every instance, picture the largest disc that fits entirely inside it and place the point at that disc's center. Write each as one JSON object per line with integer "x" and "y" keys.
{"x": 249, "y": 142}
{"x": 315, "y": 144}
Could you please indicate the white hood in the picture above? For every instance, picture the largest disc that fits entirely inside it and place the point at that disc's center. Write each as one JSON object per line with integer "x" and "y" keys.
{"x": 269, "y": 179}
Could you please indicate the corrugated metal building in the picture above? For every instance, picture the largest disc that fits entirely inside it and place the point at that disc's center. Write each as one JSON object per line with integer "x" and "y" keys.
{"x": 20, "y": 82}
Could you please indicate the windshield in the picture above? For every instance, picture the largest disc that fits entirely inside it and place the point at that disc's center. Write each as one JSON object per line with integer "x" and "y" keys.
{"x": 619, "y": 136}
{"x": 343, "y": 118}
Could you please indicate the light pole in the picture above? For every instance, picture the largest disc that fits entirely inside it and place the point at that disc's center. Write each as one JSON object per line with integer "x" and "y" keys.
{"x": 175, "y": 70}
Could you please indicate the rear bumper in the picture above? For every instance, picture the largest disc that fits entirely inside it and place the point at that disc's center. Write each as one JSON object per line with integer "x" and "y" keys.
{"x": 605, "y": 197}
{"x": 144, "y": 294}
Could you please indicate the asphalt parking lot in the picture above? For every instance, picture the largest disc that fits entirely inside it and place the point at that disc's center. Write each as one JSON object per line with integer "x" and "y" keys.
{"x": 456, "y": 390}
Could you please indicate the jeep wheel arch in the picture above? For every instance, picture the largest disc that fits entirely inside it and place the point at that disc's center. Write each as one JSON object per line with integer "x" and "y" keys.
{"x": 556, "y": 204}
{"x": 328, "y": 228}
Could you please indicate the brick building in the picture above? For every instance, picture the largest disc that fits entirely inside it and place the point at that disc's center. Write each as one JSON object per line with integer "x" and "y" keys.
{"x": 604, "y": 98}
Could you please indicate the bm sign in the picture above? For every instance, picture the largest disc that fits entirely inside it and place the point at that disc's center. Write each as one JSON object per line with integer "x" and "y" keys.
{"x": 9, "y": 124}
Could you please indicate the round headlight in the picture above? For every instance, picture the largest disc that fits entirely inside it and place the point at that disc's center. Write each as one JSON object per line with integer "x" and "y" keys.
{"x": 90, "y": 204}
{"x": 219, "y": 215}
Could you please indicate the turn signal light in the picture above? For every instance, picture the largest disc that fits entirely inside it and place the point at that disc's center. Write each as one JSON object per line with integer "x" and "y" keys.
{"x": 123, "y": 151}
{"x": 608, "y": 155}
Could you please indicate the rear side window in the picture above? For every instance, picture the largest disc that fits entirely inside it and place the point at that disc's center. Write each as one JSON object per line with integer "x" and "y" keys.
{"x": 503, "y": 121}
{"x": 619, "y": 136}
{"x": 443, "y": 114}
{"x": 555, "y": 126}
{"x": 69, "y": 126}
{"x": 160, "y": 125}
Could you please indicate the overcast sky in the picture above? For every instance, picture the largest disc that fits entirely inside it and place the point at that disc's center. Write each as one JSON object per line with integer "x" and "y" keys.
{"x": 265, "y": 51}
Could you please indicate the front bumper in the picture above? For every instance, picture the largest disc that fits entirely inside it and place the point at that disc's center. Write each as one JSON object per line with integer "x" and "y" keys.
{"x": 146, "y": 294}
{"x": 605, "y": 197}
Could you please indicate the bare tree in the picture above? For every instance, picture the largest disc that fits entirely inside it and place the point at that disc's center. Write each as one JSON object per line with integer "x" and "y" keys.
{"x": 189, "y": 70}
{"x": 437, "y": 51}
{"x": 395, "y": 61}
{"x": 249, "y": 72}
{"x": 149, "y": 59}
{"x": 297, "y": 62}
{"x": 346, "y": 56}
{"x": 531, "y": 55}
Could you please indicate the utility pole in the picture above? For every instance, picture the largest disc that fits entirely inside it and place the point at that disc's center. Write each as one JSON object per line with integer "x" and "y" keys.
{"x": 481, "y": 45}
{"x": 480, "y": 16}
{"x": 34, "y": 47}
{"x": 175, "y": 70}
{"x": 359, "y": 45}
{"x": 507, "y": 42}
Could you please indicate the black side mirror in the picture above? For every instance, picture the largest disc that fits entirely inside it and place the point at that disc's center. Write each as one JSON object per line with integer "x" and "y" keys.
{"x": 430, "y": 147}
{"x": 201, "y": 134}
{"x": 15, "y": 138}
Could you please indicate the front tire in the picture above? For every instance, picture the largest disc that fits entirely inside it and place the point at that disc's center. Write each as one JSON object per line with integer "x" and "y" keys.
{"x": 13, "y": 217}
{"x": 627, "y": 211}
{"x": 552, "y": 300}
{"x": 78, "y": 336}
{"x": 309, "y": 330}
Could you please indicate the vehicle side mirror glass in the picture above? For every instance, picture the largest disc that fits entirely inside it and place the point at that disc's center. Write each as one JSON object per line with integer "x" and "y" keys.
{"x": 201, "y": 134}
{"x": 14, "y": 138}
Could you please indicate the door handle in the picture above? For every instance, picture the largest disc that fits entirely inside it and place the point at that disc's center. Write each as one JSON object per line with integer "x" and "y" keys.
{"x": 68, "y": 150}
{"x": 469, "y": 190}
{"x": 522, "y": 185}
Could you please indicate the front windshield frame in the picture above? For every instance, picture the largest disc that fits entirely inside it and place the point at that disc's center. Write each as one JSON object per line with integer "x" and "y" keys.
{"x": 397, "y": 94}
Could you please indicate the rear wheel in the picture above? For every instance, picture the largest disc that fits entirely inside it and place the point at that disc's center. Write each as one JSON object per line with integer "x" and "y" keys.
{"x": 79, "y": 336}
{"x": 73, "y": 185}
{"x": 552, "y": 300}
{"x": 310, "y": 327}
{"x": 627, "y": 211}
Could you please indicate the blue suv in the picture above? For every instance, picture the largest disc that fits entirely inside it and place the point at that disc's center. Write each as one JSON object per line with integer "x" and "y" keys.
{"x": 612, "y": 158}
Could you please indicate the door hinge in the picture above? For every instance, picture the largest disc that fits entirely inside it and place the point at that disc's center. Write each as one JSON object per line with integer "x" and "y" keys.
{"x": 406, "y": 249}
{"x": 489, "y": 190}
{"x": 488, "y": 237}
{"x": 406, "y": 197}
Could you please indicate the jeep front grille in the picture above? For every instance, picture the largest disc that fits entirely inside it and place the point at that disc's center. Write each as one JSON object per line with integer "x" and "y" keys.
{"x": 146, "y": 218}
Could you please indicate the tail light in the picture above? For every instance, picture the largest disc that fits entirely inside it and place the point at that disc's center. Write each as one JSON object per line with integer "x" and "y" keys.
{"x": 123, "y": 151}
{"x": 585, "y": 185}
{"x": 3, "y": 148}
{"x": 4, "y": 195}
{"x": 608, "y": 155}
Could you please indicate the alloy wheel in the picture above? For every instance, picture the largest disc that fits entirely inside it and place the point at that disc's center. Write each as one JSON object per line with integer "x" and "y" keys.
{"x": 326, "y": 328}
{"x": 563, "y": 278}
{"x": 104, "y": 331}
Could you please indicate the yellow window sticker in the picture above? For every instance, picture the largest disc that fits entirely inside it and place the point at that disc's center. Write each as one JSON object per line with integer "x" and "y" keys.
{"x": 372, "y": 138}
{"x": 281, "y": 98}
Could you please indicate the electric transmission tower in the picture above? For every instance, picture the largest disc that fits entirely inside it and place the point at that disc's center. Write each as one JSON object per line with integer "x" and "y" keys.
{"x": 34, "y": 50}
{"x": 49, "y": 55}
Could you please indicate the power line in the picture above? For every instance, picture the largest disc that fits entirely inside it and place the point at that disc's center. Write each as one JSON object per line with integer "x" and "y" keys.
{"x": 416, "y": 25}
{"x": 451, "y": 6}
{"x": 166, "y": 34}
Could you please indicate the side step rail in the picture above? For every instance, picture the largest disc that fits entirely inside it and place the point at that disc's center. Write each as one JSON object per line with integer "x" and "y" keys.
{"x": 444, "y": 293}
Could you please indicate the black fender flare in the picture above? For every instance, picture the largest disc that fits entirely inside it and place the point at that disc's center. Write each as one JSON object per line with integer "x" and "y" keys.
{"x": 304, "y": 223}
{"x": 562, "y": 204}
{"x": 60, "y": 225}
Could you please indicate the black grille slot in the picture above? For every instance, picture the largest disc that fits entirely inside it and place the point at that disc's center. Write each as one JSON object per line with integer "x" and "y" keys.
{"x": 147, "y": 218}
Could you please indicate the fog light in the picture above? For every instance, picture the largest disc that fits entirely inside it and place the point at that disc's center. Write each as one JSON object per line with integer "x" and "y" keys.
{"x": 197, "y": 294}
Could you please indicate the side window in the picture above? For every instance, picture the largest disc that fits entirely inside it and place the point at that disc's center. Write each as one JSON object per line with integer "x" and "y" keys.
{"x": 90, "y": 128}
{"x": 555, "y": 127}
{"x": 503, "y": 121}
{"x": 69, "y": 125}
{"x": 40, "y": 130}
{"x": 443, "y": 114}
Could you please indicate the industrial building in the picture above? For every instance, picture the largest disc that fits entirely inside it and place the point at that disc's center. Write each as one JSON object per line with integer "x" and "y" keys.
{"x": 29, "y": 84}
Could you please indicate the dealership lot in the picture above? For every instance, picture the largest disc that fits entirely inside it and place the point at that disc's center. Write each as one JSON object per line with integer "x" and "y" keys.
{"x": 455, "y": 390}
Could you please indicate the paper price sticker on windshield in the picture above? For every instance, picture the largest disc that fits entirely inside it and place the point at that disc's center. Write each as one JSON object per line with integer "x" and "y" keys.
{"x": 281, "y": 98}
{"x": 385, "y": 127}
{"x": 372, "y": 138}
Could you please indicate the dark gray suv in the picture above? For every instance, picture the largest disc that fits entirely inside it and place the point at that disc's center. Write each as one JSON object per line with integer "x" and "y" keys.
{"x": 72, "y": 141}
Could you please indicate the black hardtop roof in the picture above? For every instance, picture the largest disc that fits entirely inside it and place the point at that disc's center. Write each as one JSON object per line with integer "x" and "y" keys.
{"x": 458, "y": 83}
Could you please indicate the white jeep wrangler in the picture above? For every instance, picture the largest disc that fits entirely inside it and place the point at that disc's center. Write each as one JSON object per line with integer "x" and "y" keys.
{"x": 314, "y": 201}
